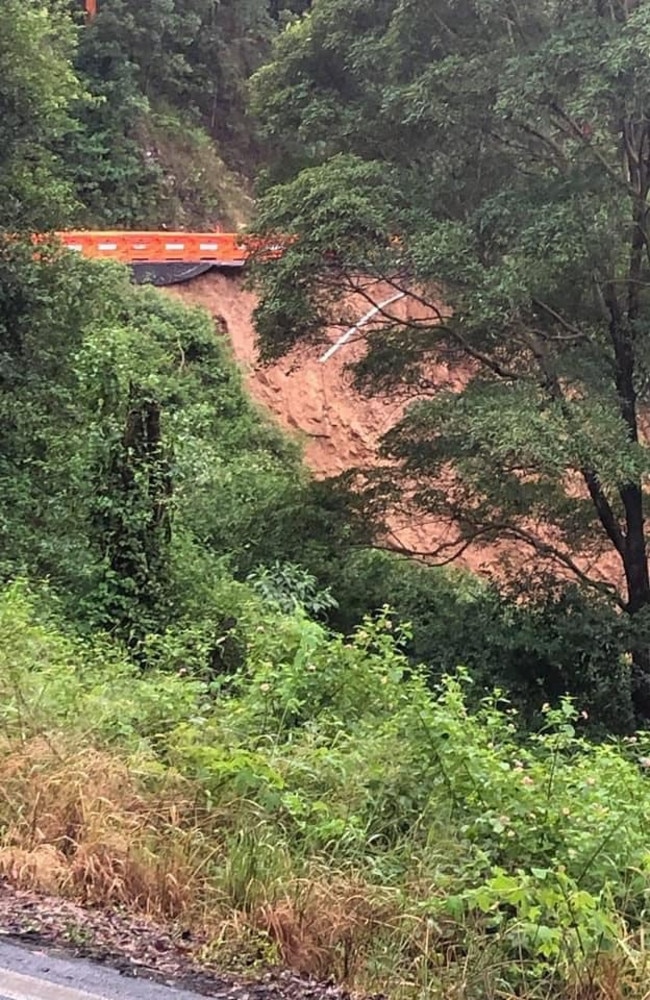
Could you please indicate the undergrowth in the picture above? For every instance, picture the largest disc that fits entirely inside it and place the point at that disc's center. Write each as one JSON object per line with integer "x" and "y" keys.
{"x": 323, "y": 808}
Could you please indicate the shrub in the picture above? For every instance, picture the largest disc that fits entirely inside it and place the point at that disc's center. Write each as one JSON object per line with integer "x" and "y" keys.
{"x": 332, "y": 809}
{"x": 537, "y": 649}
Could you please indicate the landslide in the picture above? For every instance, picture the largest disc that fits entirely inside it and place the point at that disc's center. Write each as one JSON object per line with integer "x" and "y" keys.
{"x": 339, "y": 428}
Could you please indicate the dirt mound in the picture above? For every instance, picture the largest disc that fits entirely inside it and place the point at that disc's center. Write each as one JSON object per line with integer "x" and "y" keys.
{"x": 340, "y": 429}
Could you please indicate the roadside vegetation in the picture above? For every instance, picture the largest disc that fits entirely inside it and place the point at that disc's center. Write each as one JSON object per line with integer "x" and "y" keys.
{"x": 326, "y": 808}
{"x": 220, "y": 706}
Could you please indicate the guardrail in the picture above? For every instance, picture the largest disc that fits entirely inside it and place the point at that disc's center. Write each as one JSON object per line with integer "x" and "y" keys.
{"x": 224, "y": 249}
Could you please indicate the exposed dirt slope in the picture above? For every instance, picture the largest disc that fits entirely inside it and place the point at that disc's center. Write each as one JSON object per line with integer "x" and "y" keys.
{"x": 339, "y": 428}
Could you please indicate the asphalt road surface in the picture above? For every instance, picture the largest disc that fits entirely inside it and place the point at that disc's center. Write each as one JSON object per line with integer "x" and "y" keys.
{"x": 35, "y": 975}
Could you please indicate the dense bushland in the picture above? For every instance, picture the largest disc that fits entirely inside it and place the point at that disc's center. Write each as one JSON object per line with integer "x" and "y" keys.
{"x": 130, "y": 450}
{"x": 138, "y": 119}
{"x": 323, "y": 807}
{"x": 161, "y": 135}
{"x": 537, "y": 649}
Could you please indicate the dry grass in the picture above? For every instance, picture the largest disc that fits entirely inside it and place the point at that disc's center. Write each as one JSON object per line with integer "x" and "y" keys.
{"x": 326, "y": 926}
{"x": 81, "y": 824}
{"x": 92, "y": 827}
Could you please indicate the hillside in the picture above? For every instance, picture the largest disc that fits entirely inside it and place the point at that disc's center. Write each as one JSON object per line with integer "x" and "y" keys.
{"x": 340, "y": 429}
{"x": 242, "y": 729}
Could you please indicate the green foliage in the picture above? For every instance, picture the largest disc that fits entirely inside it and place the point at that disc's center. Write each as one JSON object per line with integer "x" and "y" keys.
{"x": 280, "y": 8}
{"x": 288, "y": 587}
{"x": 116, "y": 182}
{"x": 490, "y": 849}
{"x": 191, "y": 53}
{"x": 491, "y": 158}
{"x": 89, "y": 686}
{"x": 46, "y": 306}
{"x": 165, "y": 87}
{"x": 37, "y": 87}
{"x": 536, "y": 650}
{"x": 334, "y": 755}
{"x": 131, "y": 453}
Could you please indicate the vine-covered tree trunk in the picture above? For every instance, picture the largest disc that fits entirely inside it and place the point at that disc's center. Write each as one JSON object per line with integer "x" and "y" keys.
{"x": 134, "y": 520}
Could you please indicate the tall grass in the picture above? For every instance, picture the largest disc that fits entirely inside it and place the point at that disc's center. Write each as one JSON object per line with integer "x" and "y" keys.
{"x": 323, "y": 809}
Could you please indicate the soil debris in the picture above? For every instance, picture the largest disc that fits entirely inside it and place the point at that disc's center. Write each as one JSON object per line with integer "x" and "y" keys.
{"x": 142, "y": 949}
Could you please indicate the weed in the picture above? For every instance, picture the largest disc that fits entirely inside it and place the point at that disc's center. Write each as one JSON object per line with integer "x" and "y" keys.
{"x": 327, "y": 811}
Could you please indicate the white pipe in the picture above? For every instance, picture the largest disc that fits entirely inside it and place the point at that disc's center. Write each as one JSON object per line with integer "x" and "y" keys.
{"x": 343, "y": 339}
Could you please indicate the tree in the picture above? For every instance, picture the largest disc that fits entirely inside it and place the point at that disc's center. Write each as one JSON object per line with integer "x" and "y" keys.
{"x": 37, "y": 85}
{"x": 38, "y": 333}
{"x": 494, "y": 155}
{"x": 165, "y": 58}
{"x": 132, "y": 519}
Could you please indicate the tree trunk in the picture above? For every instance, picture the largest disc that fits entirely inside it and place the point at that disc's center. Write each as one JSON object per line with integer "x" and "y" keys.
{"x": 635, "y": 559}
{"x": 134, "y": 520}
{"x": 623, "y": 331}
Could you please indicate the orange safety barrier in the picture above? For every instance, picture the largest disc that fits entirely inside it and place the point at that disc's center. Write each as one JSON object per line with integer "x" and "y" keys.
{"x": 225, "y": 249}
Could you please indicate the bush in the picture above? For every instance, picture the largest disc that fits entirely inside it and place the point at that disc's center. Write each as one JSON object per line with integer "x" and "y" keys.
{"x": 331, "y": 810}
{"x": 537, "y": 649}
{"x": 129, "y": 445}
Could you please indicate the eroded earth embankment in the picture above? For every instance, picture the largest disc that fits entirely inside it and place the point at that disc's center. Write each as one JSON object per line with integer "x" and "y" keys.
{"x": 340, "y": 428}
